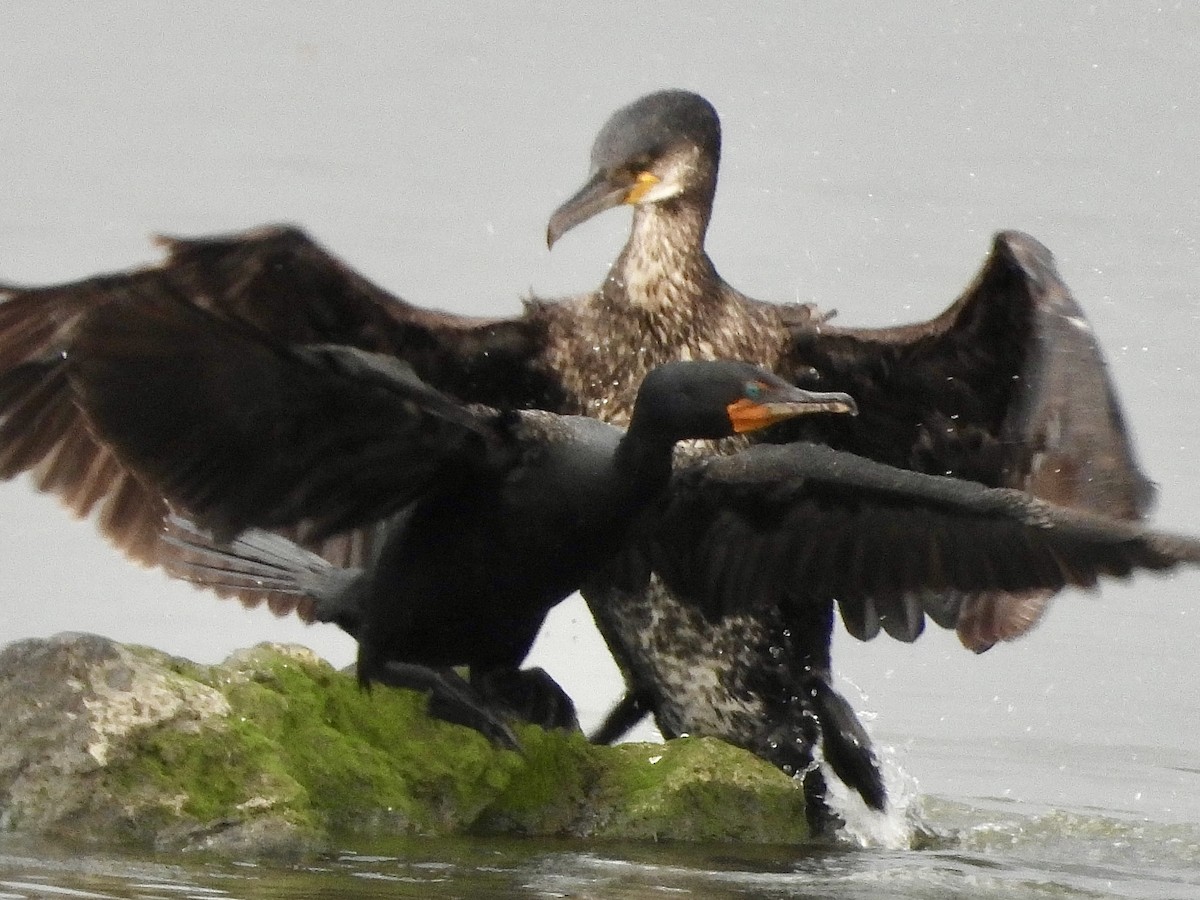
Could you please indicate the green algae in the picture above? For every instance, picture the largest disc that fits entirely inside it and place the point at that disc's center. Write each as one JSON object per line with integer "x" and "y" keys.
{"x": 275, "y": 751}
{"x": 304, "y": 744}
{"x": 700, "y": 789}
{"x": 370, "y": 757}
{"x": 173, "y": 781}
{"x": 690, "y": 789}
{"x": 551, "y": 792}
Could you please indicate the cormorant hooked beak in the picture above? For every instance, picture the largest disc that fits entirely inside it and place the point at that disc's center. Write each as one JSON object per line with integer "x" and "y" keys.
{"x": 770, "y": 404}
{"x": 605, "y": 190}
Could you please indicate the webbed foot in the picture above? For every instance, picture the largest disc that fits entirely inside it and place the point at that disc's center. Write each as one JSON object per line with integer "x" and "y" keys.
{"x": 528, "y": 694}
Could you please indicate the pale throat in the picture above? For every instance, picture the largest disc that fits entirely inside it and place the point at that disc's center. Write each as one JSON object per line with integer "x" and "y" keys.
{"x": 664, "y": 263}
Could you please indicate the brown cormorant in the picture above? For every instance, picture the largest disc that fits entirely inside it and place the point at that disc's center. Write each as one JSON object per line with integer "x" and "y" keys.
{"x": 1007, "y": 386}
{"x": 986, "y": 391}
{"x": 489, "y": 518}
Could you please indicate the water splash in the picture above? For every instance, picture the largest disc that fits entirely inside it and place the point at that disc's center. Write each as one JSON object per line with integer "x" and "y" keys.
{"x": 902, "y": 826}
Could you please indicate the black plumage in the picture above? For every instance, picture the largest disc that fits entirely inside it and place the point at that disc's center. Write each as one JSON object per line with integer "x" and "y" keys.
{"x": 1007, "y": 387}
{"x": 757, "y": 548}
{"x": 487, "y": 518}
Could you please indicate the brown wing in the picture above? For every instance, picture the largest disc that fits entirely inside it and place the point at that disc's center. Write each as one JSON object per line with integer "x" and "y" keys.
{"x": 1007, "y": 387}
{"x": 273, "y": 281}
{"x": 784, "y": 527}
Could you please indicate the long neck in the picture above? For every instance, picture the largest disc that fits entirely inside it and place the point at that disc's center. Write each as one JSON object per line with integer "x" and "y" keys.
{"x": 643, "y": 462}
{"x": 664, "y": 263}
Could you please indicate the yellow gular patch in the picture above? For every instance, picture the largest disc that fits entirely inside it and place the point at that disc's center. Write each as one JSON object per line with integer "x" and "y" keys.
{"x": 645, "y": 181}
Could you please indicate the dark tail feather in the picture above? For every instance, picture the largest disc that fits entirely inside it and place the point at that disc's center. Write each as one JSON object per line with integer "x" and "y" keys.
{"x": 261, "y": 563}
{"x": 255, "y": 559}
{"x": 846, "y": 746}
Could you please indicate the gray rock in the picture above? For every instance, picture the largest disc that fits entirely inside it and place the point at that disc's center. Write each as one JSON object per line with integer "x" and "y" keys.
{"x": 275, "y": 752}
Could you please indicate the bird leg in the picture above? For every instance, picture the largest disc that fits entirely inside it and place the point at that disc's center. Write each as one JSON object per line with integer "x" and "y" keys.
{"x": 817, "y": 713}
{"x": 844, "y": 742}
{"x": 630, "y": 709}
{"x": 790, "y": 745}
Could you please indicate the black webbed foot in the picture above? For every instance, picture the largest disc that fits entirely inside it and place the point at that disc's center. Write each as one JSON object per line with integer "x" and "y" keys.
{"x": 451, "y": 699}
{"x": 528, "y": 694}
{"x": 823, "y": 822}
{"x": 629, "y": 710}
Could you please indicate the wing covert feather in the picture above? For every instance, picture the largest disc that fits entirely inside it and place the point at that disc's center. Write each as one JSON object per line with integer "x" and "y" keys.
{"x": 890, "y": 546}
{"x": 240, "y": 432}
{"x": 275, "y": 282}
{"x": 1007, "y": 387}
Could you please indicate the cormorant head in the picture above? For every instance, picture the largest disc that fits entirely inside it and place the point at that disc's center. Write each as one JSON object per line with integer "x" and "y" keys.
{"x": 664, "y": 145}
{"x": 720, "y": 398}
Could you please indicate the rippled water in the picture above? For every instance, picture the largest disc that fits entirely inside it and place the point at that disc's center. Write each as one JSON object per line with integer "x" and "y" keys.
{"x": 870, "y": 152}
{"x": 1000, "y": 853}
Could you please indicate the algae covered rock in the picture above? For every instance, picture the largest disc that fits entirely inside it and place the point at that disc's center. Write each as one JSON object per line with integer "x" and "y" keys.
{"x": 275, "y": 751}
{"x": 689, "y": 789}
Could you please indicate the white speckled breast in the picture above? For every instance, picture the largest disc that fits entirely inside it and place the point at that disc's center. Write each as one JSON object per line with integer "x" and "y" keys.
{"x": 697, "y": 667}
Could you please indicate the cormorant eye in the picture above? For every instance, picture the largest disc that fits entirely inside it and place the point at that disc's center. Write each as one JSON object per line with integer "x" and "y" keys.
{"x": 754, "y": 389}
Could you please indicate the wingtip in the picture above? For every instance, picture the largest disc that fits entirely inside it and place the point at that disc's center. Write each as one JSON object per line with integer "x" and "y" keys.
{"x": 990, "y": 617}
{"x": 176, "y": 245}
{"x": 1027, "y": 253}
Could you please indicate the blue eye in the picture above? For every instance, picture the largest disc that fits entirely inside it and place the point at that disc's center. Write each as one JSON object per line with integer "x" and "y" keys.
{"x": 753, "y": 390}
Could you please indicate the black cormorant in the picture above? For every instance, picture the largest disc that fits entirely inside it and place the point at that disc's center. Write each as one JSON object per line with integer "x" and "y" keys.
{"x": 487, "y": 518}
{"x": 503, "y": 514}
{"x": 1007, "y": 386}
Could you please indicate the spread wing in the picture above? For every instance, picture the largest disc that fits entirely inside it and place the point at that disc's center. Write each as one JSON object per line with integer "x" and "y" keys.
{"x": 274, "y": 282}
{"x": 240, "y": 432}
{"x": 1008, "y": 387}
{"x": 208, "y": 417}
{"x": 790, "y": 525}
